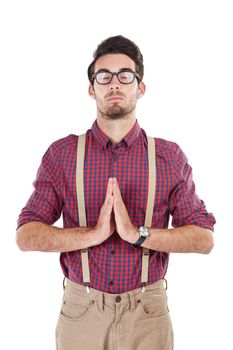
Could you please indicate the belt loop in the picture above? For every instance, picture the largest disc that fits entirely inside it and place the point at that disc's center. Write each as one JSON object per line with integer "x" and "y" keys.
{"x": 165, "y": 283}
{"x": 64, "y": 283}
{"x": 100, "y": 301}
{"x": 132, "y": 301}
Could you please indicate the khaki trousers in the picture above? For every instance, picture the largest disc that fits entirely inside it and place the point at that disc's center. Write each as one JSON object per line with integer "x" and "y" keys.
{"x": 103, "y": 321}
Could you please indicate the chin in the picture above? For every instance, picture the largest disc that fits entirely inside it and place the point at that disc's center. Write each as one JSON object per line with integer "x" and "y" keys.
{"x": 116, "y": 116}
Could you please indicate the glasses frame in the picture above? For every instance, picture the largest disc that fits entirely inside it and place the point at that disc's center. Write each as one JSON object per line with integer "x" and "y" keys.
{"x": 135, "y": 74}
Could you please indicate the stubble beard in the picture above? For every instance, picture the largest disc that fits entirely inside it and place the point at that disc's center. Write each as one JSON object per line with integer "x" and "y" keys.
{"x": 117, "y": 112}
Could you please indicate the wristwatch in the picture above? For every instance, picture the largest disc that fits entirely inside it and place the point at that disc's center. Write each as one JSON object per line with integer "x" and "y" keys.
{"x": 143, "y": 234}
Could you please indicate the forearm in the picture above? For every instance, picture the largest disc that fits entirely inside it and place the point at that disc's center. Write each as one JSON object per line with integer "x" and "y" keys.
{"x": 37, "y": 236}
{"x": 185, "y": 239}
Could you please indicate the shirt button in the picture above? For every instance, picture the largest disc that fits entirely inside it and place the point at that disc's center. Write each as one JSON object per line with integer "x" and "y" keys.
{"x": 116, "y": 158}
{"x": 110, "y": 283}
{"x": 118, "y": 299}
{"x": 113, "y": 252}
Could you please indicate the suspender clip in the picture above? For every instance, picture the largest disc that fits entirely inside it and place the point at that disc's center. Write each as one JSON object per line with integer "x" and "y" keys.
{"x": 87, "y": 285}
{"x": 146, "y": 252}
{"x": 143, "y": 287}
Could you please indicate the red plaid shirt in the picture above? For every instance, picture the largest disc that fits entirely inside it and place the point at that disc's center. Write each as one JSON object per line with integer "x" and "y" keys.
{"x": 115, "y": 266}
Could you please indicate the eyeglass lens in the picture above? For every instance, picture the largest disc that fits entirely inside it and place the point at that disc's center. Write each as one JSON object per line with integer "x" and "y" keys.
{"x": 124, "y": 77}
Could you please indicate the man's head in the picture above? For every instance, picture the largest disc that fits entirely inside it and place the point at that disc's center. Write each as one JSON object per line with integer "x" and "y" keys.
{"x": 115, "y": 77}
{"x": 118, "y": 45}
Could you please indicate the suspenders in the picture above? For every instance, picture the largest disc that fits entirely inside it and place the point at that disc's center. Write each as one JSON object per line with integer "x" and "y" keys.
{"x": 150, "y": 205}
{"x": 81, "y": 205}
{"x": 82, "y": 209}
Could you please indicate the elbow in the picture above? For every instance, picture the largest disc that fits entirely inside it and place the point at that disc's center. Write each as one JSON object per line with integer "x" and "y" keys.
{"x": 208, "y": 242}
{"x": 21, "y": 240}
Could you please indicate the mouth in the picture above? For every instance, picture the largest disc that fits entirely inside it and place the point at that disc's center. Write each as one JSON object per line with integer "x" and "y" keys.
{"x": 115, "y": 98}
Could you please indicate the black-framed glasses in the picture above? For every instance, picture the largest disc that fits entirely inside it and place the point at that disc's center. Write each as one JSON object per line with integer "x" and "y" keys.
{"x": 124, "y": 76}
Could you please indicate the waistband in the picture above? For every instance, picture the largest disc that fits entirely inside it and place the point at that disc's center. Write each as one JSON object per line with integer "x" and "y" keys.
{"x": 102, "y": 298}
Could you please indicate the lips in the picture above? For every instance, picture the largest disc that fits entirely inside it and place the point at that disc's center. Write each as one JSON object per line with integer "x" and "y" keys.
{"x": 115, "y": 98}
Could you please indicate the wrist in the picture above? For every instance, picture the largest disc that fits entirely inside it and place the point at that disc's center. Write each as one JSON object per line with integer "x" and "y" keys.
{"x": 134, "y": 235}
{"x": 144, "y": 233}
{"x": 95, "y": 235}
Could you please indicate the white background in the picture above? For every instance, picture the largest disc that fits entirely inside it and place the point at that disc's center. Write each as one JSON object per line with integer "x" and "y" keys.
{"x": 46, "y": 47}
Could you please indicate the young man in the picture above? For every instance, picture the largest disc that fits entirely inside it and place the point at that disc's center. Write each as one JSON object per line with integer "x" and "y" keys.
{"x": 116, "y": 189}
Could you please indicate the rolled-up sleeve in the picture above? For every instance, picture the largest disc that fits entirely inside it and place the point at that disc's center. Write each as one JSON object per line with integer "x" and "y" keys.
{"x": 46, "y": 202}
{"x": 186, "y": 207}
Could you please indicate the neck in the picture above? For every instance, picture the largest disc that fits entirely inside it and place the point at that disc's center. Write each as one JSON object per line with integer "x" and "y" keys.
{"x": 116, "y": 129}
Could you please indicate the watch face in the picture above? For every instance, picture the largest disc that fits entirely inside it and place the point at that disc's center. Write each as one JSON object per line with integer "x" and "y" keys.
{"x": 144, "y": 231}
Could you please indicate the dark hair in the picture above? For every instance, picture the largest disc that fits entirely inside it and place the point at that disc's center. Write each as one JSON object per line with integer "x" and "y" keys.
{"x": 118, "y": 44}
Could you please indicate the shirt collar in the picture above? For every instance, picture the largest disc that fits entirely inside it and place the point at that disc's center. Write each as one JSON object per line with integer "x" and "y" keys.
{"x": 103, "y": 140}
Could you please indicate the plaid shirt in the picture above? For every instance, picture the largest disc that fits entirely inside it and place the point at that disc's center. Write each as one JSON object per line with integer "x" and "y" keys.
{"x": 115, "y": 266}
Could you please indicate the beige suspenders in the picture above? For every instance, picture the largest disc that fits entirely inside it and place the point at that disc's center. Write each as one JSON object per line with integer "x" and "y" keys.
{"x": 150, "y": 204}
{"x": 82, "y": 210}
{"x": 81, "y": 205}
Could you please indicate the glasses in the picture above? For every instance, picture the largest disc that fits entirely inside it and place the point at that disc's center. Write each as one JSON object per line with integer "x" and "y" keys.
{"x": 124, "y": 76}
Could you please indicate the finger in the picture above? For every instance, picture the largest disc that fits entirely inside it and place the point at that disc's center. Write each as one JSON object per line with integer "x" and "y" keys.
{"x": 117, "y": 198}
{"x": 116, "y": 189}
{"x": 109, "y": 205}
{"x": 109, "y": 191}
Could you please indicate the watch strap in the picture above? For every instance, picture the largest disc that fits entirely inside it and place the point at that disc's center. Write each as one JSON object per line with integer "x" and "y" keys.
{"x": 140, "y": 240}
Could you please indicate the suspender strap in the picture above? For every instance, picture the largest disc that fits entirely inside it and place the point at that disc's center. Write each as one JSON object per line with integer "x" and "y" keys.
{"x": 150, "y": 204}
{"x": 79, "y": 180}
{"x": 81, "y": 203}
{"x": 151, "y": 182}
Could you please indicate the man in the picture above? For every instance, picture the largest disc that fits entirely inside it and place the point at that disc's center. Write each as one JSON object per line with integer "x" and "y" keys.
{"x": 116, "y": 188}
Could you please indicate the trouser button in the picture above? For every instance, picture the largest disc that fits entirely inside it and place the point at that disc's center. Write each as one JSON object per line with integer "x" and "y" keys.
{"x": 118, "y": 299}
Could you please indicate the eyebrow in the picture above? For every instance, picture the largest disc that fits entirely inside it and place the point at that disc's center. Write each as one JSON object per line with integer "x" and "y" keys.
{"x": 120, "y": 70}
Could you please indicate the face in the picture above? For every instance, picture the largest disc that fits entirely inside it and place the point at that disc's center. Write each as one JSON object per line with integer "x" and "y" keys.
{"x": 116, "y": 100}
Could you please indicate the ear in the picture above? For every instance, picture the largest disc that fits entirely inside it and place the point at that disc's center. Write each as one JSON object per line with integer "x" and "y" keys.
{"x": 91, "y": 91}
{"x": 141, "y": 89}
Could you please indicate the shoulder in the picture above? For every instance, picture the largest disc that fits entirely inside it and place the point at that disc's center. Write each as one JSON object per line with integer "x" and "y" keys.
{"x": 165, "y": 147}
{"x": 168, "y": 150}
{"x": 61, "y": 148}
{"x": 65, "y": 143}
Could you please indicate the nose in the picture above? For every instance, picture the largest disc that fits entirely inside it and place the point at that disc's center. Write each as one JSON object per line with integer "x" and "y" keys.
{"x": 115, "y": 84}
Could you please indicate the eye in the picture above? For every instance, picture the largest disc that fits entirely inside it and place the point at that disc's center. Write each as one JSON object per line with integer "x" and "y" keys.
{"x": 103, "y": 77}
{"x": 126, "y": 76}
